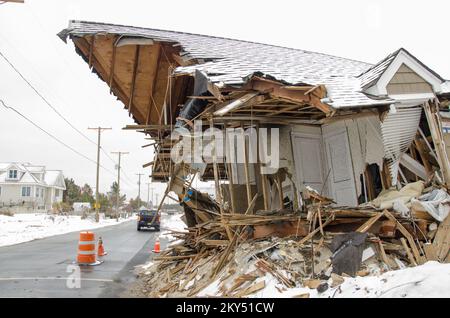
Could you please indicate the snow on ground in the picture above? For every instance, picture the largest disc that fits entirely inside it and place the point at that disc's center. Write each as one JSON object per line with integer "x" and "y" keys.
{"x": 172, "y": 222}
{"x": 431, "y": 279}
{"x": 30, "y": 226}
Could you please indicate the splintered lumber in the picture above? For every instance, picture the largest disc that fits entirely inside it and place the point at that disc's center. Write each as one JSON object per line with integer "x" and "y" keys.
{"x": 215, "y": 242}
{"x": 408, "y": 251}
{"x": 235, "y": 104}
{"x": 147, "y": 127}
{"x": 366, "y": 226}
{"x": 252, "y": 289}
{"x": 383, "y": 254}
{"x": 270, "y": 268}
{"x": 430, "y": 252}
{"x": 434, "y": 123}
{"x": 310, "y": 235}
{"x": 441, "y": 241}
{"x": 401, "y": 228}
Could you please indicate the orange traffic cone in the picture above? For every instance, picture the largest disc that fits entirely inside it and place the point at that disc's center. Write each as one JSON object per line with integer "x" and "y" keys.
{"x": 157, "y": 247}
{"x": 101, "y": 250}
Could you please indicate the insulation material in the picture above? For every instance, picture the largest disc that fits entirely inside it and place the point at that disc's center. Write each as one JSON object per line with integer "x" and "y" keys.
{"x": 388, "y": 198}
{"x": 398, "y": 130}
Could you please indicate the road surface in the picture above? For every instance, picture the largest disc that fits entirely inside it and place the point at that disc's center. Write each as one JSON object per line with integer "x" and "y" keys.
{"x": 40, "y": 268}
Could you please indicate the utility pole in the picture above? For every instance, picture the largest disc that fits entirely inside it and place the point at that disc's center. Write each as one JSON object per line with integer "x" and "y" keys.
{"x": 120, "y": 153}
{"x": 139, "y": 184}
{"x": 148, "y": 195}
{"x": 97, "y": 202}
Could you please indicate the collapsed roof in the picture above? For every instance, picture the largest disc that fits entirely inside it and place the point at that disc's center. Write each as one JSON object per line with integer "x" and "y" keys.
{"x": 144, "y": 60}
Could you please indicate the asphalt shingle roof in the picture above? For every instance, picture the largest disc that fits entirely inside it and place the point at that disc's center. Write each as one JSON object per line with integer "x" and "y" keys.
{"x": 231, "y": 61}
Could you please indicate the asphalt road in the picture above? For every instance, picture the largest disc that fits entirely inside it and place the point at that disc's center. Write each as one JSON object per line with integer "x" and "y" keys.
{"x": 41, "y": 268}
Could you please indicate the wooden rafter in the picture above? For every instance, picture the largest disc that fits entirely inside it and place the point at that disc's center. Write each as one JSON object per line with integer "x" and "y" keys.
{"x": 278, "y": 90}
{"x": 91, "y": 50}
{"x": 113, "y": 64}
{"x": 83, "y": 45}
{"x": 151, "y": 102}
{"x": 133, "y": 81}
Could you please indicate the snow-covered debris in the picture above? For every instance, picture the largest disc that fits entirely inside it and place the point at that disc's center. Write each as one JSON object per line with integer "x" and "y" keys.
{"x": 30, "y": 226}
{"x": 429, "y": 280}
{"x": 172, "y": 222}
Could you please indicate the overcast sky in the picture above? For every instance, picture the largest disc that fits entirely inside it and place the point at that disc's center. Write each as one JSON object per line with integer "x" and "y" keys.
{"x": 361, "y": 30}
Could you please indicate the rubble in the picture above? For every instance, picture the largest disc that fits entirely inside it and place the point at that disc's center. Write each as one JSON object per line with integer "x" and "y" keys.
{"x": 203, "y": 262}
{"x": 361, "y": 167}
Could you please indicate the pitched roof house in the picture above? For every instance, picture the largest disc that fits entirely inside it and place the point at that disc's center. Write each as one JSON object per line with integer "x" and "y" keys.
{"x": 29, "y": 186}
{"x": 346, "y": 128}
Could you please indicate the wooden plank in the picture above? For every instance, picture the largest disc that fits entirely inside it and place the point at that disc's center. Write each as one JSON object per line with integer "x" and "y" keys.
{"x": 215, "y": 242}
{"x": 430, "y": 252}
{"x": 383, "y": 254}
{"x": 408, "y": 236}
{"x": 366, "y": 226}
{"x": 314, "y": 232}
{"x": 113, "y": 64}
{"x": 435, "y": 126}
{"x": 91, "y": 50}
{"x": 408, "y": 251}
{"x": 278, "y": 90}
{"x": 246, "y": 171}
{"x": 151, "y": 102}
{"x": 441, "y": 241}
{"x": 423, "y": 155}
{"x": 414, "y": 166}
{"x": 235, "y": 104}
{"x": 100, "y": 65}
{"x": 133, "y": 81}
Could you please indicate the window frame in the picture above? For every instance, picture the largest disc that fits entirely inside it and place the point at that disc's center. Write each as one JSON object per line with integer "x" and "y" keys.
{"x": 27, "y": 192}
{"x": 14, "y": 172}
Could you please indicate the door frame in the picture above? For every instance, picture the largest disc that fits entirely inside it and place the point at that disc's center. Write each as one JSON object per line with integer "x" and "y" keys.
{"x": 330, "y": 131}
{"x": 297, "y": 166}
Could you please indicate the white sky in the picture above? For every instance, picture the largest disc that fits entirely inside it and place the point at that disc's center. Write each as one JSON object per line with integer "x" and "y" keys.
{"x": 362, "y": 30}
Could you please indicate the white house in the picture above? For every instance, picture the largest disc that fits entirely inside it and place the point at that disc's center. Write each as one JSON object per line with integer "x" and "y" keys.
{"x": 29, "y": 186}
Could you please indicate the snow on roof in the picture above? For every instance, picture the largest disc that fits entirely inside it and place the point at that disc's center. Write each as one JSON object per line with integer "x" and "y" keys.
{"x": 232, "y": 61}
{"x": 371, "y": 76}
{"x": 51, "y": 177}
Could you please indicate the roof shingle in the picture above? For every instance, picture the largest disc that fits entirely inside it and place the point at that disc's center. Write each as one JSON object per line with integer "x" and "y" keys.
{"x": 231, "y": 61}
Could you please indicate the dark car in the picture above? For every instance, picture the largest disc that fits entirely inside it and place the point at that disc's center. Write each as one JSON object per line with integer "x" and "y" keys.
{"x": 148, "y": 219}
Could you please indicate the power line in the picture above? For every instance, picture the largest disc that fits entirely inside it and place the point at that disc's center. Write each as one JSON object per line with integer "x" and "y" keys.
{"x": 47, "y": 133}
{"x": 45, "y": 100}
{"x": 54, "y": 137}
{"x": 62, "y": 117}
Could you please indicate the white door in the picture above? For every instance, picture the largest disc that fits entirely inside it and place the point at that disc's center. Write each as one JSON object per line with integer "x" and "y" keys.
{"x": 340, "y": 178}
{"x": 308, "y": 158}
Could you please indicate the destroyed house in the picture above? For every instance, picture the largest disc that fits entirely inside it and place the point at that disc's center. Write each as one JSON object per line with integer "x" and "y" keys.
{"x": 349, "y": 172}
{"x": 347, "y": 129}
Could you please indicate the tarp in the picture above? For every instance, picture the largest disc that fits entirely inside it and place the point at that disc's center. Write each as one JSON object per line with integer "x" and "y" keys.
{"x": 436, "y": 203}
{"x": 347, "y": 252}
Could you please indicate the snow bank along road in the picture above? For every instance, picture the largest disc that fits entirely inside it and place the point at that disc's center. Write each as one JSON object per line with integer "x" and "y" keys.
{"x": 40, "y": 268}
{"x": 30, "y": 226}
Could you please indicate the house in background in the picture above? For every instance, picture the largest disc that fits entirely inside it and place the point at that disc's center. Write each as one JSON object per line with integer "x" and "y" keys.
{"x": 28, "y": 187}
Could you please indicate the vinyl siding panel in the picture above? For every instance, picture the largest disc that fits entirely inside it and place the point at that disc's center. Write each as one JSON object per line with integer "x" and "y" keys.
{"x": 406, "y": 81}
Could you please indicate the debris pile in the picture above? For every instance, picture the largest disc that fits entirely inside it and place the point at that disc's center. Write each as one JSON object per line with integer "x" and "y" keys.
{"x": 230, "y": 254}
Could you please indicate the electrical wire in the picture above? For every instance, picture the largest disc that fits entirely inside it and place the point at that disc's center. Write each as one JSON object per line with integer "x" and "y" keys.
{"x": 47, "y": 133}
{"x": 62, "y": 117}
{"x": 58, "y": 113}
{"x": 44, "y": 99}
